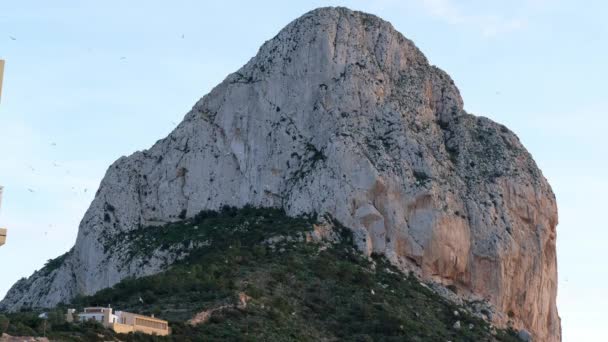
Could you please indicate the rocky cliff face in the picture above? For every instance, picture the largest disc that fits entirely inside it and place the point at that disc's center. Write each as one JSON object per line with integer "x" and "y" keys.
{"x": 339, "y": 114}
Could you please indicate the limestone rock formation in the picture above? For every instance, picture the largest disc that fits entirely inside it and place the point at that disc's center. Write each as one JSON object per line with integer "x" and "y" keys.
{"x": 339, "y": 114}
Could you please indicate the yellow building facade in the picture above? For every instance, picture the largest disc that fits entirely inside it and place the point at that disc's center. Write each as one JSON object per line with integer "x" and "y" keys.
{"x": 2, "y": 230}
{"x": 121, "y": 322}
{"x": 2, "y": 236}
{"x": 130, "y": 322}
{"x": 1, "y": 76}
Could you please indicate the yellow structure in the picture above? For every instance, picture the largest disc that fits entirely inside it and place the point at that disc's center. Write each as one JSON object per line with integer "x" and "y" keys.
{"x": 2, "y": 236}
{"x": 2, "y": 230}
{"x": 129, "y": 322}
{"x": 121, "y": 322}
{"x": 1, "y": 76}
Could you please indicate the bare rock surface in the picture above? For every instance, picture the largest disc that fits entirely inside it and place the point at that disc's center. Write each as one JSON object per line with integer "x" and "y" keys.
{"x": 9, "y": 338}
{"x": 340, "y": 114}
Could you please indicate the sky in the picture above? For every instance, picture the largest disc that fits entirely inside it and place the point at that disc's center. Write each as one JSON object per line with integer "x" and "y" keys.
{"x": 89, "y": 81}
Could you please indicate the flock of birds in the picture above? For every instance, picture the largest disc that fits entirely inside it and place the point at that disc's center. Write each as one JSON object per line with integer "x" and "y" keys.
{"x": 55, "y": 164}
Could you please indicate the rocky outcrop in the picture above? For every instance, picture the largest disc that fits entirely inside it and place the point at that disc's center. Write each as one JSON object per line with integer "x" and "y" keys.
{"x": 340, "y": 114}
{"x": 204, "y": 316}
{"x": 9, "y": 338}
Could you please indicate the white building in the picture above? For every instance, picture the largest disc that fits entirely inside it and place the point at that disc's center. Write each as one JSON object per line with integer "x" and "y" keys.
{"x": 121, "y": 321}
{"x": 99, "y": 314}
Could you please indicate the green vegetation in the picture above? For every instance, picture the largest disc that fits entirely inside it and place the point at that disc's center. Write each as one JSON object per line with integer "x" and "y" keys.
{"x": 53, "y": 264}
{"x": 421, "y": 177}
{"x": 55, "y": 327}
{"x": 212, "y": 228}
{"x": 298, "y": 291}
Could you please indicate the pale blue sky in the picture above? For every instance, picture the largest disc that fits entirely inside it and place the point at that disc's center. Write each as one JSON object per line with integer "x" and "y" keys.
{"x": 86, "y": 83}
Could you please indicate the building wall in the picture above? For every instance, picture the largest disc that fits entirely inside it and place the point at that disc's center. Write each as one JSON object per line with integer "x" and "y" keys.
{"x": 85, "y": 317}
{"x": 2, "y": 230}
{"x": 151, "y": 326}
{"x": 144, "y": 324}
{"x": 1, "y": 77}
{"x": 69, "y": 317}
{"x": 122, "y": 328}
{"x": 102, "y": 315}
{"x": 126, "y": 322}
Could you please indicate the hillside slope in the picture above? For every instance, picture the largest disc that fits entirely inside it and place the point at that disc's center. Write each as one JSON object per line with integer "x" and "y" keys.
{"x": 273, "y": 278}
{"x": 339, "y": 114}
